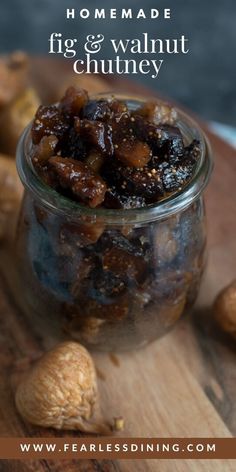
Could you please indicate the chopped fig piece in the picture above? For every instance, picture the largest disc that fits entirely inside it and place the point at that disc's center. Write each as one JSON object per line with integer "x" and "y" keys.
{"x": 123, "y": 130}
{"x": 148, "y": 131}
{"x": 107, "y": 284}
{"x": 158, "y": 113}
{"x": 164, "y": 138}
{"x": 77, "y": 177}
{"x": 115, "y": 311}
{"x": 85, "y": 267}
{"x": 144, "y": 182}
{"x": 73, "y": 101}
{"x": 165, "y": 246}
{"x": 82, "y": 234}
{"x": 175, "y": 176}
{"x": 73, "y": 146}
{"x": 49, "y": 120}
{"x": 103, "y": 110}
{"x": 193, "y": 151}
{"x": 97, "y": 110}
{"x": 119, "y": 262}
{"x": 173, "y": 146}
{"x": 95, "y": 134}
{"x": 88, "y": 329}
{"x": 114, "y": 199}
{"x": 90, "y": 233}
{"x": 111, "y": 239}
{"x": 45, "y": 149}
{"x": 133, "y": 153}
{"x": 118, "y": 107}
{"x": 94, "y": 161}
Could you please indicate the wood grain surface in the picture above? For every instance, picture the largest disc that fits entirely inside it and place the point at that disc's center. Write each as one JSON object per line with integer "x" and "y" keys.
{"x": 180, "y": 386}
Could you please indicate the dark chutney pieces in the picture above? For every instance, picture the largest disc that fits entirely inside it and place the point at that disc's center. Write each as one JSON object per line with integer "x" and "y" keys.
{"x": 101, "y": 268}
{"x": 100, "y": 153}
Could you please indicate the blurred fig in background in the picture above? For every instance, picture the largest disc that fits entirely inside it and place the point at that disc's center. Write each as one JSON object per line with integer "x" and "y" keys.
{"x": 10, "y": 197}
{"x": 224, "y": 309}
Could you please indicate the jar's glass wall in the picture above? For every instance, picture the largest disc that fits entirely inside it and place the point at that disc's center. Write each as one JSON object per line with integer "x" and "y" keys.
{"x": 111, "y": 287}
{"x": 112, "y": 279}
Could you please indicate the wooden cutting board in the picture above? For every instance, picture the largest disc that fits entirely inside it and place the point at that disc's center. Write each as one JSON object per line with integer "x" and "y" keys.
{"x": 180, "y": 386}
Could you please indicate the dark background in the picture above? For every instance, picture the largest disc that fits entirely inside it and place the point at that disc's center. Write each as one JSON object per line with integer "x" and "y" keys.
{"x": 204, "y": 80}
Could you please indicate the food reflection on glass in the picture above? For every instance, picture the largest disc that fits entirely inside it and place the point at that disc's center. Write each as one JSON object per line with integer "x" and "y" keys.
{"x": 111, "y": 236}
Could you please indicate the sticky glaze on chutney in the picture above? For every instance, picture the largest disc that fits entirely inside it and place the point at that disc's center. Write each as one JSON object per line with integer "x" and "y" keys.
{"x": 100, "y": 153}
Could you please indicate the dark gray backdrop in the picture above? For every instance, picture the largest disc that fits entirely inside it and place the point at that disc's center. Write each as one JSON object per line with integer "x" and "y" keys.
{"x": 204, "y": 80}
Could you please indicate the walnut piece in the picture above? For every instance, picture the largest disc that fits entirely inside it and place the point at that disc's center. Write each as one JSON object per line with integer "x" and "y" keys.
{"x": 119, "y": 423}
{"x": 224, "y": 309}
{"x": 60, "y": 391}
{"x": 159, "y": 112}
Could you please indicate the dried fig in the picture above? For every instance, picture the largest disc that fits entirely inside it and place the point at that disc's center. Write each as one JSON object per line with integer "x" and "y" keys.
{"x": 60, "y": 391}
{"x": 10, "y": 196}
{"x": 224, "y": 309}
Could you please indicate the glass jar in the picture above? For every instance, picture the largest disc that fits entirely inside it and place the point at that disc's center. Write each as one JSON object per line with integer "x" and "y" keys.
{"x": 111, "y": 279}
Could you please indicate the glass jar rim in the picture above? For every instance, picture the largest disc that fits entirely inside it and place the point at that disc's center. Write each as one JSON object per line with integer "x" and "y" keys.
{"x": 58, "y": 204}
